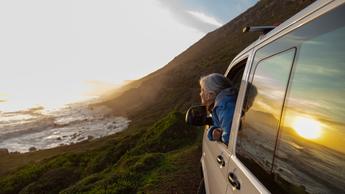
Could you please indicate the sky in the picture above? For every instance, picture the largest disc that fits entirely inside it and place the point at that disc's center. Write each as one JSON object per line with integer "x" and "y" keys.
{"x": 57, "y": 52}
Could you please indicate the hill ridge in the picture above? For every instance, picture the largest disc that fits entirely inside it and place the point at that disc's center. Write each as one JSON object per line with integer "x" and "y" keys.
{"x": 212, "y": 53}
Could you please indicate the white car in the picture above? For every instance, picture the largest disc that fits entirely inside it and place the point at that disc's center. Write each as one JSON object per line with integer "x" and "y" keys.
{"x": 290, "y": 136}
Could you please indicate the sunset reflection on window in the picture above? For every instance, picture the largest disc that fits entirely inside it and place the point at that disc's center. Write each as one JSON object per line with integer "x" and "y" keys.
{"x": 307, "y": 127}
{"x": 310, "y": 153}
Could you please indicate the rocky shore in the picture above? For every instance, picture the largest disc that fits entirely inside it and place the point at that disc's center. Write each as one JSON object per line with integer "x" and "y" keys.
{"x": 37, "y": 129}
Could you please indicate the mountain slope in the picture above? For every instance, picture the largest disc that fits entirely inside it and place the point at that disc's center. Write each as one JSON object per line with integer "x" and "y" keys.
{"x": 159, "y": 153}
{"x": 176, "y": 84}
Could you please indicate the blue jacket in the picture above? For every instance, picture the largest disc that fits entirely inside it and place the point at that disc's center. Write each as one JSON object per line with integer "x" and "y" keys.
{"x": 222, "y": 113}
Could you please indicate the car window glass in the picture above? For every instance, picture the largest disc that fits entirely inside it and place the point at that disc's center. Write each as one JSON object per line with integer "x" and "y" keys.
{"x": 264, "y": 99}
{"x": 310, "y": 155}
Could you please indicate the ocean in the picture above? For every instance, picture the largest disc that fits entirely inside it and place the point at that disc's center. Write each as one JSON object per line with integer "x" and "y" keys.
{"x": 37, "y": 129}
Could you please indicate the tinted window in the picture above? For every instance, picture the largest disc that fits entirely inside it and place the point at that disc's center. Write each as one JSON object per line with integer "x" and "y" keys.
{"x": 311, "y": 151}
{"x": 257, "y": 136}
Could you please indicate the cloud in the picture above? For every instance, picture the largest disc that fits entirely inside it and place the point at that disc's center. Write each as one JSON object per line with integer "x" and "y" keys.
{"x": 206, "y": 15}
{"x": 205, "y": 18}
{"x": 191, "y": 18}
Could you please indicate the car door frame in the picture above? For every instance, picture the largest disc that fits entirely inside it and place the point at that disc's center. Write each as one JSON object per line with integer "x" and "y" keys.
{"x": 219, "y": 148}
{"x": 234, "y": 164}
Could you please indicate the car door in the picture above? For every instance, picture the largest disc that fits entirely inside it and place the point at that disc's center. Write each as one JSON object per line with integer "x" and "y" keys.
{"x": 216, "y": 155}
{"x": 259, "y": 120}
{"x": 215, "y": 158}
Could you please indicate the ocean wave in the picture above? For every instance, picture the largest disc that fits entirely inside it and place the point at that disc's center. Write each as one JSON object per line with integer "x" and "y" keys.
{"x": 69, "y": 125}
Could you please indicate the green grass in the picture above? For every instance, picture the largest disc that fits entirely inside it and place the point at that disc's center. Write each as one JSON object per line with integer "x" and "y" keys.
{"x": 135, "y": 163}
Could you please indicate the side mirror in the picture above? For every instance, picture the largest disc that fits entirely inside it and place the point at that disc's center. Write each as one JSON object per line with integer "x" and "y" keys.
{"x": 198, "y": 116}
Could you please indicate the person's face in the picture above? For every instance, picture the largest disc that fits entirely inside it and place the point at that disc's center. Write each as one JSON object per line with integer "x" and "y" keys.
{"x": 202, "y": 96}
{"x": 207, "y": 98}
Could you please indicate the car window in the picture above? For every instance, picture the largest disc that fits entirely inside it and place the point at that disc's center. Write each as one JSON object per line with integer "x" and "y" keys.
{"x": 236, "y": 73}
{"x": 264, "y": 100}
{"x": 310, "y": 156}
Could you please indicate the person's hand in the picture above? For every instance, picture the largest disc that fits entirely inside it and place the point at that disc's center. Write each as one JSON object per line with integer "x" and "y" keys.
{"x": 217, "y": 134}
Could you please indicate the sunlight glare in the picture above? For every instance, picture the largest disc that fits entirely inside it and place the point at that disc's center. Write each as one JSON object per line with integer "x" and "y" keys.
{"x": 307, "y": 127}
{"x": 77, "y": 55}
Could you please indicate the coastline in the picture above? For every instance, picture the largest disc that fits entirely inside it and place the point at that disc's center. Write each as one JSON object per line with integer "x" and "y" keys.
{"x": 36, "y": 129}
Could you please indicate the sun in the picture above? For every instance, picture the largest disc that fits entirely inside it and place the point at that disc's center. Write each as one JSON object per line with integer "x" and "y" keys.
{"x": 307, "y": 127}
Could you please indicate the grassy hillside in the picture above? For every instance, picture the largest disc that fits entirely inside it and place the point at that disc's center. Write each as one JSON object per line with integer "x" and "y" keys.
{"x": 136, "y": 162}
{"x": 159, "y": 153}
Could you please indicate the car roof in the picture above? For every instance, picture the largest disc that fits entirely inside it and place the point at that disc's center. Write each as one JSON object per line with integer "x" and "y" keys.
{"x": 294, "y": 19}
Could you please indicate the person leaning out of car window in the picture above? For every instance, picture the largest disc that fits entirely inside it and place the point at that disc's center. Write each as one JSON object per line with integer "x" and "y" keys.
{"x": 219, "y": 96}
